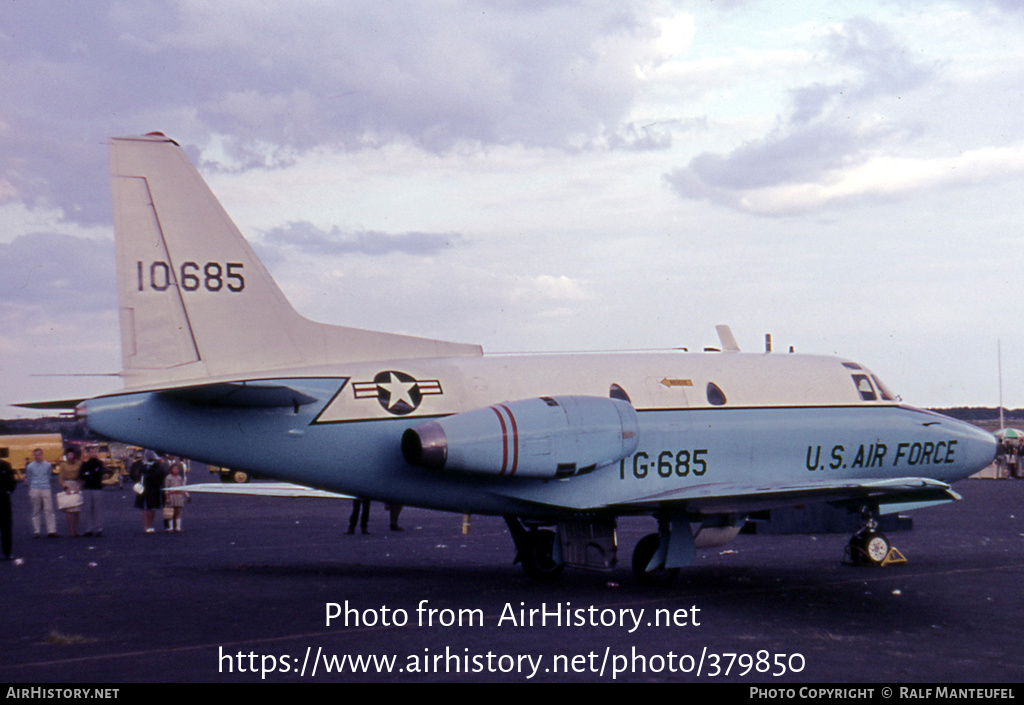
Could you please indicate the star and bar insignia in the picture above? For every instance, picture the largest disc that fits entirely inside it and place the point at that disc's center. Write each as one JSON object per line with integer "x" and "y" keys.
{"x": 397, "y": 392}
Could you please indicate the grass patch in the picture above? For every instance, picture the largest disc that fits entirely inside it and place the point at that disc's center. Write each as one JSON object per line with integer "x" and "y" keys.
{"x": 62, "y": 639}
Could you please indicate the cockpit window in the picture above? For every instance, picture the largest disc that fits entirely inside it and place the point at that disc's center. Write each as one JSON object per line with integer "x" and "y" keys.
{"x": 716, "y": 397}
{"x": 883, "y": 390}
{"x": 863, "y": 384}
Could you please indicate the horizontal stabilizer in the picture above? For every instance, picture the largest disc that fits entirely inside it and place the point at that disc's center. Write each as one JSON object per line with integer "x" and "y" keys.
{"x": 56, "y": 405}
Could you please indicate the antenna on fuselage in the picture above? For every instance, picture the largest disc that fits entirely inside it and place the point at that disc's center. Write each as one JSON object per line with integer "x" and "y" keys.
{"x": 727, "y": 338}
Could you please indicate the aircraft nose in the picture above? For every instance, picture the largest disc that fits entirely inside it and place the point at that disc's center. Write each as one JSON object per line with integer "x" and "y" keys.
{"x": 977, "y": 447}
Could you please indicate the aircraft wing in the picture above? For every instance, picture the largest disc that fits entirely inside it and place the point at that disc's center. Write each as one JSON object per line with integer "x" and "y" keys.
{"x": 742, "y": 498}
{"x": 259, "y": 489}
{"x": 890, "y": 494}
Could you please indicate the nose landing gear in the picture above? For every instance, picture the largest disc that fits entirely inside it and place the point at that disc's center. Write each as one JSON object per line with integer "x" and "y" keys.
{"x": 869, "y": 546}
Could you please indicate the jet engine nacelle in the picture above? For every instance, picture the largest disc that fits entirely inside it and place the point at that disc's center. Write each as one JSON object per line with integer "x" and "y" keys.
{"x": 545, "y": 437}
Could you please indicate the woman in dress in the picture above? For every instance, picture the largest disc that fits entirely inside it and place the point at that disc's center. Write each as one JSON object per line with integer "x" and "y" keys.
{"x": 70, "y": 468}
{"x": 175, "y": 500}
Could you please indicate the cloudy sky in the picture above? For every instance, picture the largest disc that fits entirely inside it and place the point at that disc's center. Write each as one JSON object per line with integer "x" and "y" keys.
{"x": 543, "y": 175}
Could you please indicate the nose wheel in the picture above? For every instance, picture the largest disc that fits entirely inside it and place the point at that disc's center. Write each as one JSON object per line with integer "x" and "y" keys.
{"x": 869, "y": 546}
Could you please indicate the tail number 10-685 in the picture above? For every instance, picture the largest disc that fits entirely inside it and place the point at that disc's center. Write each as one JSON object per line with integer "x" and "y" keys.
{"x": 191, "y": 276}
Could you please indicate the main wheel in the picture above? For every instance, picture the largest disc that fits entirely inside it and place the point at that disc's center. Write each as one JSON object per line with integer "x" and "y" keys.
{"x": 538, "y": 557}
{"x": 642, "y": 555}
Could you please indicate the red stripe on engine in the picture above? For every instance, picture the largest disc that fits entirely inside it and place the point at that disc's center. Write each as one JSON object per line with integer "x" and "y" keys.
{"x": 515, "y": 440}
{"x": 504, "y": 441}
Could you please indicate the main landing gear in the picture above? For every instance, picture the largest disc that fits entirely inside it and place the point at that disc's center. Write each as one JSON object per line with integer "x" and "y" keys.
{"x": 869, "y": 546}
{"x": 588, "y": 541}
{"x": 658, "y": 557}
{"x": 648, "y": 567}
{"x": 537, "y": 550}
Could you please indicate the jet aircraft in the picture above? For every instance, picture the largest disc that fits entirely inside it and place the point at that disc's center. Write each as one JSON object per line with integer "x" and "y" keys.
{"x": 219, "y": 367}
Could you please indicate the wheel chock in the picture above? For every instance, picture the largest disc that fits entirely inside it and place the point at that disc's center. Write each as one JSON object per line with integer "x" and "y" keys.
{"x": 853, "y": 555}
{"x": 893, "y": 557}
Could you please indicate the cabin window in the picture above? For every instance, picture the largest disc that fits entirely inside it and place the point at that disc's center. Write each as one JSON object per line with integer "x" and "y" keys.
{"x": 716, "y": 397}
{"x": 864, "y": 388}
{"x": 617, "y": 392}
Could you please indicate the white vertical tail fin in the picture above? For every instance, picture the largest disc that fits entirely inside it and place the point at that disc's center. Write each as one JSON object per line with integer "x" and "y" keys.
{"x": 196, "y": 303}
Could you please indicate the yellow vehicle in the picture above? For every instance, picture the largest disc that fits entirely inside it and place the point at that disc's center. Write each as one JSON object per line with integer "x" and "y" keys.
{"x": 115, "y": 463}
{"x": 229, "y": 474}
{"x": 114, "y": 457}
{"x": 17, "y": 449}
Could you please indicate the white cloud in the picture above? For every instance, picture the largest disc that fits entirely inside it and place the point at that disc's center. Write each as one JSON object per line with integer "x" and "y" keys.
{"x": 260, "y": 85}
{"x": 546, "y": 288}
{"x": 346, "y": 138}
{"x": 878, "y": 177}
{"x": 20, "y": 219}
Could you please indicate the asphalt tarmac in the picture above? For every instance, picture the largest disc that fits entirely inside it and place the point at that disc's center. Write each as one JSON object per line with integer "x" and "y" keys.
{"x": 244, "y": 594}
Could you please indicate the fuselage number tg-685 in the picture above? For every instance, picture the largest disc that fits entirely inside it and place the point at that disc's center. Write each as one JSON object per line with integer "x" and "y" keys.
{"x": 669, "y": 463}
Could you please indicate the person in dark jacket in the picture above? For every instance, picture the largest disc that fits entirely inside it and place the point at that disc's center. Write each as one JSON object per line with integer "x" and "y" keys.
{"x": 357, "y": 506}
{"x": 152, "y": 472}
{"x": 7, "y": 486}
{"x": 91, "y": 475}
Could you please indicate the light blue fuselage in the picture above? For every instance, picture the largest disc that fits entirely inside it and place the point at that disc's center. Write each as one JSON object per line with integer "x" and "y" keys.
{"x": 694, "y": 447}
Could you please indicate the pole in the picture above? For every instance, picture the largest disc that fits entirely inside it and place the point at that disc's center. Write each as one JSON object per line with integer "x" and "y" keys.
{"x": 999, "y": 355}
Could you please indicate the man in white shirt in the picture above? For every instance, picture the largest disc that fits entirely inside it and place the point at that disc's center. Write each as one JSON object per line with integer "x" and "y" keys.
{"x": 37, "y": 476}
